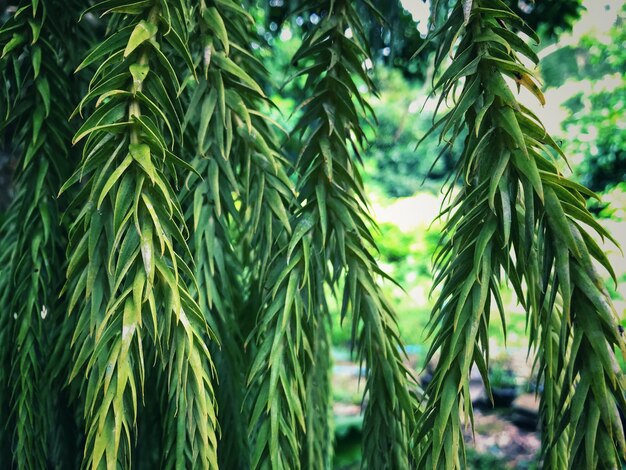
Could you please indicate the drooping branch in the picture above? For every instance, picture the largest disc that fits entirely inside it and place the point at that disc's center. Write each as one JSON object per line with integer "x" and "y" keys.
{"x": 516, "y": 214}
{"x": 335, "y": 218}
{"x": 31, "y": 314}
{"x": 127, "y": 275}
{"x": 241, "y": 198}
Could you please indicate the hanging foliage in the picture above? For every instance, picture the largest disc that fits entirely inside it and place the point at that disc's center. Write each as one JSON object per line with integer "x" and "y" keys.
{"x": 165, "y": 269}
{"x": 516, "y": 218}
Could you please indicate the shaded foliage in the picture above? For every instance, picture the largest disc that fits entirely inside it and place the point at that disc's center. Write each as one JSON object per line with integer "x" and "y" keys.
{"x": 165, "y": 268}
{"x": 395, "y": 40}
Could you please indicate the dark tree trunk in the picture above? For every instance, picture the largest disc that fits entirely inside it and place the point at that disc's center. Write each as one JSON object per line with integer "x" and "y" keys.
{"x": 6, "y": 170}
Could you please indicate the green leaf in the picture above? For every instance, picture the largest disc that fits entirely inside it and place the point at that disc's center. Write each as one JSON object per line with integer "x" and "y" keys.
{"x": 206, "y": 114}
{"x": 139, "y": 72}
{"x": 559, "y": 222}
{"x": 115, "y": 176}
{"x": 43, "y": 88}
{"x": 327, "y": 155}
{"x": 36, "y": 60}
{"x": 305, "y": 224}
{"x": 508, "y": 121}
{"x": 277, "y": 206}
{"x": 16, "y": 41}
{"x": 237, "y": 72}
{"x": 177, "y": 42}
{"x": 527, "y": 168}
{"x": 142, "y": 32}
{"x": 108, "y": 114}
{"x": 141, "y": 154}
{"x": 214, "y": 183}
{"x": 215, "y": 21}
{"x": 109, "y": 46}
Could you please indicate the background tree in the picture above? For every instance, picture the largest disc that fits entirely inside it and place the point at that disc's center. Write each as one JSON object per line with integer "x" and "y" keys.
{"x": 167, "y": 266}
{"x": 601, "y": 112}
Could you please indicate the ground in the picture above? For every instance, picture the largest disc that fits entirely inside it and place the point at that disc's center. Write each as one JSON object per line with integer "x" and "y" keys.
{"x": 503, "y": 438}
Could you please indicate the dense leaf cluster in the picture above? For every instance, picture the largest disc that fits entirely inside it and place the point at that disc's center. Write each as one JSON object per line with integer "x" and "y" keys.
{"x": 165, "y": 271}
{"x": 517, "y": 217}
{"x": 195, "y": 267}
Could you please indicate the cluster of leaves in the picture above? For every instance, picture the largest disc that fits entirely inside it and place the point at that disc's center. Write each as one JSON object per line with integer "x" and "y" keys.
{"x": 35, "y": 108}
{"x": 127, "y": 268}
{"x": 517, "y": 216}
{"x": 395, "y": 40}
{"x": 335, "y": 217}
{"x": 237, "y": 205}
{"x": 192, "y": 330}
{"x": 331, "y": 224}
